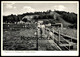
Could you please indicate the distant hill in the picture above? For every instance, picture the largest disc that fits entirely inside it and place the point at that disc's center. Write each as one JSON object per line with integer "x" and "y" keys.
{"x": 66, "y": 18}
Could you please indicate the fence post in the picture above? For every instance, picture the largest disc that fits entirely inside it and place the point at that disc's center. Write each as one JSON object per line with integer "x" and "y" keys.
{"x": 53, "y": 34}
{"x": 61, "y": 27}
{"x": 59, "y": 36}
{"x": 69, "y": 45}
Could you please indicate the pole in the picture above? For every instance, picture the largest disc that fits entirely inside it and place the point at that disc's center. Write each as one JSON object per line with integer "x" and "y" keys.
{"x": 37, "y": 37}
{"x": 59, "y": 36}
{"x": 53, "y": 34}
{"x": 69, "y": 46}
{"x": 61, "y": 27}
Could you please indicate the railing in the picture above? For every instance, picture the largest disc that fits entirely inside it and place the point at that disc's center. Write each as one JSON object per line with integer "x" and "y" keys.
{"x": 58, "y": 41}
{"x": 53, "y": 40}
{"x": 67, "y": 37}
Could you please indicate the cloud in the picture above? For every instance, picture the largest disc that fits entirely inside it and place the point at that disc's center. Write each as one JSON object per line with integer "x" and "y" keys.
{"x": 27, "y": 9}
{"x": 10, "y": 6}
{"x": 18, "y": 11}
{"x": 8, "y": 13}
{"x": 59, "y": 7}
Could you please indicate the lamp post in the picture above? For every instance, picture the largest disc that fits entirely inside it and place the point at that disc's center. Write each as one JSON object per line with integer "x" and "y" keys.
{"x": 37, "y": 34}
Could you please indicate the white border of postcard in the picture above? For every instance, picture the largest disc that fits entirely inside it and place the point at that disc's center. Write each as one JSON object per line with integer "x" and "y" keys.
{"x": 39, "y": 53}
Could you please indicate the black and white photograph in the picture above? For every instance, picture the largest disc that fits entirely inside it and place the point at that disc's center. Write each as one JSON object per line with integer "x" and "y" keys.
{"x": 40, "y": 26}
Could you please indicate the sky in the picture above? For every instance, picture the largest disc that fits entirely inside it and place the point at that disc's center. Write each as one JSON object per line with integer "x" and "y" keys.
{"x": 19, "y": 8}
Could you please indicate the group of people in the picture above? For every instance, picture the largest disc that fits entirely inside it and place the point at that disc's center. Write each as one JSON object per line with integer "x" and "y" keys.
{"x": 41, "y": 31}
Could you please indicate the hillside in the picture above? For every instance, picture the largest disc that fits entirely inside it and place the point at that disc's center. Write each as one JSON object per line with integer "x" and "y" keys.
{"x": 69, "y": 18}
{"x": 59, "y": 19}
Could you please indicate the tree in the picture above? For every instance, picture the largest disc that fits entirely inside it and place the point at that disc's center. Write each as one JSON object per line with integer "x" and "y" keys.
{"x": 69, "y": 17}
{"x": 4, "y": 18}
{"x": 25, "y": 20}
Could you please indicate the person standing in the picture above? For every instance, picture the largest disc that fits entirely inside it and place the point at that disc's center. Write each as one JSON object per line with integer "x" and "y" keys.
{"x": 50, "y": 35}
{"x": 43, "y": 29}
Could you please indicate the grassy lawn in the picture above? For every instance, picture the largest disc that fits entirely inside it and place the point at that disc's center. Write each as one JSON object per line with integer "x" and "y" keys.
{"x": 67, "y": 31}
{"x": 21, "y": 39}
{"x": 70, "y": 32}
